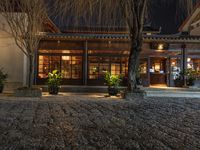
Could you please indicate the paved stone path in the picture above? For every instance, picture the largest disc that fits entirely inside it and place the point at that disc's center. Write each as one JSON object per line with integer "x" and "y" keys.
{"x": 89, "y": 122}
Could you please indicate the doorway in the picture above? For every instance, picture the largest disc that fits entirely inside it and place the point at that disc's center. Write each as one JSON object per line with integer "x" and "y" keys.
{"x": 158, "y": 71}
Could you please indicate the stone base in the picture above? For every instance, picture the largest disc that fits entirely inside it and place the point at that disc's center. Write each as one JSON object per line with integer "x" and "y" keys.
{"x": 137, "y": 94}
{"x": 11, "y": 86}
{"x": 28, "y": 92}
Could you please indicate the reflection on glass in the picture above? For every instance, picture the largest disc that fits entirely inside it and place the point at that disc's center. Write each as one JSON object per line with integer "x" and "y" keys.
{"x": 175, "y": 67}
{"x": 99, "y": 65}
{"x": 193, "y": 63}
{"x": 158, "y": 66}
{"x": 66, "y": 67}
{"x": 70, "y": 66}
{"x": 115, "y": 69}
{"x": 43, "y": 66}
{"x": 143, "y": 67}
{"x": 76, "y": 67}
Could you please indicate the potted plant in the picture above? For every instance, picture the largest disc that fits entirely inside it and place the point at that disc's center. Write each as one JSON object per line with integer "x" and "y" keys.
{"x": 3, "y": 77}
{"x": 113, "y": 82}
{"x": 178, "y": 81}
{"x": 191, "y": 76}
{"x": 54, "y": 79}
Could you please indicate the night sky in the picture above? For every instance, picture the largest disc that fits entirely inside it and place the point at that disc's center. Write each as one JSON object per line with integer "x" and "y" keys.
{"x": 161, "y": 15}
{"x": 167, "y": 17}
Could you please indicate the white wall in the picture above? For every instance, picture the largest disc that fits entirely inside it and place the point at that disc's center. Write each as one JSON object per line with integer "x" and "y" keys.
{"x": 11, "y": 58}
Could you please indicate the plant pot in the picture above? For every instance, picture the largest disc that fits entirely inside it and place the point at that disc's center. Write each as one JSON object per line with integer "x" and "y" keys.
{"x": 1, "y": 88}
{"x": 190, "y": 82}
{"x": 53, "y": 90}
{"x": 113, "y": 91}
{"x": 178, "y": 83}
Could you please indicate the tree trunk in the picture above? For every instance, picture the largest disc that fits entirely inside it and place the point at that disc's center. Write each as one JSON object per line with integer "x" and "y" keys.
{"x": 134, "y": 64}
{"x": 31, "y": 71}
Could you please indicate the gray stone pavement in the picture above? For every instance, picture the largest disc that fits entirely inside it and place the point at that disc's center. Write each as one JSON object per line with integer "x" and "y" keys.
{"x": 89, "y": 122}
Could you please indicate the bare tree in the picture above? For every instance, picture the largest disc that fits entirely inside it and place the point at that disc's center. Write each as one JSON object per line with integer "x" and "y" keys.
{"x": 25, "y": 21}
{"x": 129, "y": 13}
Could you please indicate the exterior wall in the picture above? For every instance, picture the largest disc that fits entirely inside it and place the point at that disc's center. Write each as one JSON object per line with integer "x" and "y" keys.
{"x": 11, "y": 58}
{"x": 97, "y": 53}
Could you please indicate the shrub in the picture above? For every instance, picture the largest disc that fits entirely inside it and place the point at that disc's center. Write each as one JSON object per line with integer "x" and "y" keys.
{"x": 112, "y": 80}
{"x": 54, "y": 78}
{"x": 3, "y": 77}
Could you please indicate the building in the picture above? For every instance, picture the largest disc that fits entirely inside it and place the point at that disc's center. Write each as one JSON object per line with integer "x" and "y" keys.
{"x": 12, "y": 59}
{"x": 83, "y": 56}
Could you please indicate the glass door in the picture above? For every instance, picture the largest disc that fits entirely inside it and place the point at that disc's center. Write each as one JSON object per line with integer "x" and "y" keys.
{"x": 158, "y": 74}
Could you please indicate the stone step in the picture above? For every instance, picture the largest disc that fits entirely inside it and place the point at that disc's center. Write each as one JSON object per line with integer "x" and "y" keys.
{"x": 166, "y": 93}
{"x": 81, "y": 89}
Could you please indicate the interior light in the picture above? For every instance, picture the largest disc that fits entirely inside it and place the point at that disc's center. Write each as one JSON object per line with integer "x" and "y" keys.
{"x": 66, "y": 51}
{"x": 188, "y": 59}
{"x": 65, "y": 57}
{"x": 160, "y": 46}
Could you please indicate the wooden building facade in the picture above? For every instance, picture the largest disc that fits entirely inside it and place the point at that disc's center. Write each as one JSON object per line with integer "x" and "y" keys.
{"x": 84, "y": 57}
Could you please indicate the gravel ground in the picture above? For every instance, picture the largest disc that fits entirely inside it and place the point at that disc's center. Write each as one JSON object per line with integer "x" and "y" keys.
{"x": 88, "y": 122}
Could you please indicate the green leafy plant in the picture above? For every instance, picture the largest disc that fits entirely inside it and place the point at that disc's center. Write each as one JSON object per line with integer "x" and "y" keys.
{"x": 3, "y": 76}
{"x": 190, "y": 74}
{"x": 112, "y": 80}
{"x": 54, "y": 78}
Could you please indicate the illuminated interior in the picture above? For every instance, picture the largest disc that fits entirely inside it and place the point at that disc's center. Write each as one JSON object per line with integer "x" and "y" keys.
{"x": 98, "y": 66}
{"x": 70, "y": 66}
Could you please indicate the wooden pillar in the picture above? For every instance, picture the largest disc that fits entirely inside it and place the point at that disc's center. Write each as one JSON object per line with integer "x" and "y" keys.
{"x": 148, "y": 71}
{"x": 85, "y": 64}
{"x": 168, "y": 72}
{"x": 184, "y": 62}
{"x": 36, "y": 64}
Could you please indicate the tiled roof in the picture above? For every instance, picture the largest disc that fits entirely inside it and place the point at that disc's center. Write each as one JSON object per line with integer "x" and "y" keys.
{"x": 176, "y": 38}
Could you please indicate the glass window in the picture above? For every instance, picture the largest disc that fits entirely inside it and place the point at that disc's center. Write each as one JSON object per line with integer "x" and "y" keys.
{"x": 158, "y": 66}
{"x": 66, "y": 67}
{"x": 70, "y": 66}
{"x": 99, "y": 65}
{"x": 76, "y": 67}
{"x": 61, "y": 51}
{"x": 193, "y": 63}
{"x": 115, "y": 69}
{"x": 143, "y": 67}
{"x": 93, "y": 71}
{"x": 124, "y": 66}
{"x": 43, "y": 67}
{"x": 175, "y": 67}
{"x": 54, "y": 62}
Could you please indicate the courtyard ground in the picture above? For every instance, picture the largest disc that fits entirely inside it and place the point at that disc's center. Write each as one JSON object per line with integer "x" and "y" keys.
{"x": 77, "y": 121}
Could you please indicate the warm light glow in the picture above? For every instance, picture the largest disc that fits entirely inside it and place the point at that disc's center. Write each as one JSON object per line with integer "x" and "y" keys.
{"x": 66, "y": 51}
{"x": 149, "y": 33}
{"x": 173, "y": 63}
{"x": 160, "y": 46}
{"x": 157, "y": 67}
{"x": 188, "y": 59}
{"x": 65, "y": 57}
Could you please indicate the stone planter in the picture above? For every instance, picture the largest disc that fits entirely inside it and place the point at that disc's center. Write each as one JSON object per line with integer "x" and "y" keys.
{"x": 53, "y": 90}
{"x": 196, "y": 84}
{"x": 28, "y": 92}
{"x": 178, "y": 83}
{"x": 1, "y": 88}
{"x": 113, "y": 91}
